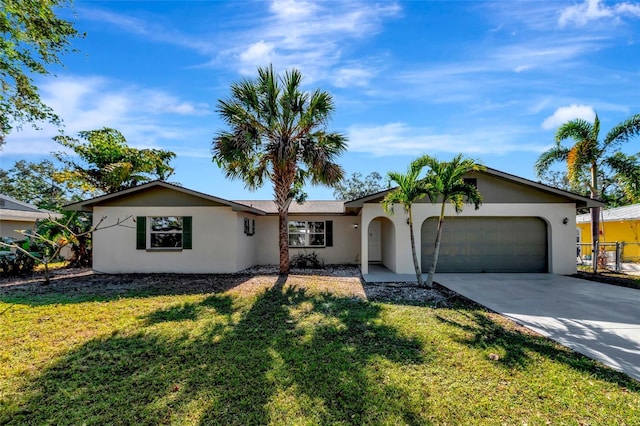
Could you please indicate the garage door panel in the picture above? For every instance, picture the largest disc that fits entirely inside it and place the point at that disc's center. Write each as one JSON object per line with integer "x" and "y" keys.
{"x": 487, "y": 244}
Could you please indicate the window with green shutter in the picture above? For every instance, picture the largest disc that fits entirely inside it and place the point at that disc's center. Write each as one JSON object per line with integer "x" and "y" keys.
{"x": 164, "y": 232}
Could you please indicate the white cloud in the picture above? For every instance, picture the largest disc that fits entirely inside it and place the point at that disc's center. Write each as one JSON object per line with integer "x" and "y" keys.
{"x": 592, "y": 10}
{"x": 346, "y": 77}
{"x": 311, "y": 36}
{"x": 400, "y": 139}
{"x": 146, "y": 117}
{"x": 567, "y": 113}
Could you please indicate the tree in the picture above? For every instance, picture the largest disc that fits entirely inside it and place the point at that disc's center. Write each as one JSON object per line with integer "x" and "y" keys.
{"x": 108, "y": 164}
{"x": 278, "y": 133}
{"x": 50, "y": 237}
{"x": 445, "y": 184}
{"x": 354, "y": 187}
{"x": 33, "y": 37}
{"x": 411, "y": 188}
{"x": 589, "y": 155}
{"x": 34, "y": 183}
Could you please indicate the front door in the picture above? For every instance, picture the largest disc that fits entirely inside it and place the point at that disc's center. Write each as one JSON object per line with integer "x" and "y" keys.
{"x": 375, "y": 247}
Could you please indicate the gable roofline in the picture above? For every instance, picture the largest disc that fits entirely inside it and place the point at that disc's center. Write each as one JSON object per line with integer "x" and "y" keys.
{"x": 87, "y": 205}
{"x": 580, "y": 200}
{"x": 29, "y": 206}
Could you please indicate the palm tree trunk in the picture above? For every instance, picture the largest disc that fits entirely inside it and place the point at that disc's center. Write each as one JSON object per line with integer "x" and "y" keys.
{"x": 283, "y": 241}
{"x": 595, "y": 219}
{"x": 436, "y": 250}
{"x": 416, "y": 266}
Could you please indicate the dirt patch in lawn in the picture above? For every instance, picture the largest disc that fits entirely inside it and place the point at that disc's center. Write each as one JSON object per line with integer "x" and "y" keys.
{"x": 612, "y": 278}
{"x": 340, "y": 280}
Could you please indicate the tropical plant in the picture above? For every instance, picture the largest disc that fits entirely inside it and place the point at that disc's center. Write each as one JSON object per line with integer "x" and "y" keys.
{"x": 446, "y": 184}
{"x": 32, "y": 38}
{"x": 278, "y": 133}
{"x": 589, "y": 155}
{"x": 355, "y": 187}
{"x": 410, "y": 188}
{"x": 35, "y": 183}
{"x": 108, "y": 163}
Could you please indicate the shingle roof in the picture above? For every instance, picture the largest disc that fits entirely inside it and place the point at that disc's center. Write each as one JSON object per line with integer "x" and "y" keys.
{"x": 631, "y": 212}
{"x": 308, "y": 207}
{"x": 17, "y": 210}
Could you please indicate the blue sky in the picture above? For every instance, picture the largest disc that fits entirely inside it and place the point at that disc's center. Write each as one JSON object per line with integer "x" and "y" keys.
{"x": 492, "y": 80}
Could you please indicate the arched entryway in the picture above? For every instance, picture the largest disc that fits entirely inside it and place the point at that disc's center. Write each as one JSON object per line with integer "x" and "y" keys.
{"x": 487, "y": 244}
{"x": 381, "y": 237}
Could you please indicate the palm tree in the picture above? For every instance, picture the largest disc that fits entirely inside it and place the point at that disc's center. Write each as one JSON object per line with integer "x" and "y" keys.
{"x": 410, "y": 189}
{"x": 588, "y": 155}
{"x": 278, "y": 133}
{"x": 445, "y": 183}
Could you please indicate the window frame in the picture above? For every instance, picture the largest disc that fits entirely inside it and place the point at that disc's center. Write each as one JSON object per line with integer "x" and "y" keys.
{"x": 249, "y": 227}
{"x": 150, "y": 232}
{"x": 307, "y": 233}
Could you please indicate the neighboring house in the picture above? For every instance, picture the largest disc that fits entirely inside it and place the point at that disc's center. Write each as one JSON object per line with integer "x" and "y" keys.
{"x": 619, "y": 224}
{"x": 522, "y": 226}
{"x": 16, "y": 215}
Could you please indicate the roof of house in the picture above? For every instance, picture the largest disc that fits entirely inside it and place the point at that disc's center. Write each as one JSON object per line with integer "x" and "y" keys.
{"x": 308, "y": 207}
{"x": 87, "y": 205}
{"x": 580, "y": 200}
{"x": 16, "y": 210}
{"x": 615, "y": 214}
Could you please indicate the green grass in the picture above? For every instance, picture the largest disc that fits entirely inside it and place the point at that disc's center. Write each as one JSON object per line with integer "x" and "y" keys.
{"x": 288, "y": 353}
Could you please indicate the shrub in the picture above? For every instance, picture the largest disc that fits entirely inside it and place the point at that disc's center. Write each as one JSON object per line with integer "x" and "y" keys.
{"x": 14, "y": 264}
{"x": 307, "y": 261}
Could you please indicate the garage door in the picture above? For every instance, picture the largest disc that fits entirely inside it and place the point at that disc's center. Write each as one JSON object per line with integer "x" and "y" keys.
{"x": 487, "y": 244}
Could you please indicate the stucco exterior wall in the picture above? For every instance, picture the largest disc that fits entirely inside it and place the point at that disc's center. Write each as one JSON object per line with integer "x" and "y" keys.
{"x": 346, "y": 240}
{"x": 8, "y": 228}
{"x": 215, "y": 242}
{"x": 561, "y": 237}
{"x": 247, "y": 252}
{"x": 388, "y": 243}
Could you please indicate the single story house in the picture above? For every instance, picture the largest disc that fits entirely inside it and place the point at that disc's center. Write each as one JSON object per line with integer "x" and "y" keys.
{"x": 16, "y": 215}
{"x": 522, "y": 226}
{"x": 619, "y": 224}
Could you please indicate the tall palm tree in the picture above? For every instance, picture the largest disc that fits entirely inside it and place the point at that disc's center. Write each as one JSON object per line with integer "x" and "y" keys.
{"x": 278, "y": 133}
{"x": 445, "y": 183}
{"x": 410, "y": 189}
{"x": 588, "y": 155}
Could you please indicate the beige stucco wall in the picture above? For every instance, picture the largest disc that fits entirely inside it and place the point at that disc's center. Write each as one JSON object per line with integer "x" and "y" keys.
{"x": 216, "y": 235}
{"x": 388, "y": 245}
{"x": 561, "y": 237}
{"x": 346, "y": 240}
{"x": 8, "y": 228}
{"x": 247, "y": 251}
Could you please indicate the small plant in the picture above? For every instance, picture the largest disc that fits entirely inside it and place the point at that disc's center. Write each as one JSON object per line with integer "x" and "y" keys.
{"x": 307, "y": 261}
{"x": 15, "y": 264}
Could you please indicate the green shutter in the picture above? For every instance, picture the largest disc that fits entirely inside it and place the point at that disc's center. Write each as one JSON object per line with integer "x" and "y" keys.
{"x": 186, "y": 232}
{"x": 141, "y": 233}
{"x": 328, "y": 227}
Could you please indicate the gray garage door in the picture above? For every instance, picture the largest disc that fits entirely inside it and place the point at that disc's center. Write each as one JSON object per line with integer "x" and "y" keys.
{"x": 487, "y": 244}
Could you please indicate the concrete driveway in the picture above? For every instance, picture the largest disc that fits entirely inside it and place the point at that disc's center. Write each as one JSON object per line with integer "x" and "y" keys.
{"x": 598, "y": 320}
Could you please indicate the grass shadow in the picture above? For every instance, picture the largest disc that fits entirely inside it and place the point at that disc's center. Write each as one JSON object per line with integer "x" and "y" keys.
{"x": 289, "y": 353}
{"x": 518, "y": 344}
{"x": 107, "y": 287}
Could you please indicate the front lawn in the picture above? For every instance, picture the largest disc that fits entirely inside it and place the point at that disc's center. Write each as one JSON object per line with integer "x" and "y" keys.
{"x": 301, "y": 350}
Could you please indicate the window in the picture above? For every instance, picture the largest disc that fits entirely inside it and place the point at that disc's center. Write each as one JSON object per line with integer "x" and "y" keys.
{"x": 249, "y": 226}
{"x": 308, "y": 234}
{"x": 163, "y": 232}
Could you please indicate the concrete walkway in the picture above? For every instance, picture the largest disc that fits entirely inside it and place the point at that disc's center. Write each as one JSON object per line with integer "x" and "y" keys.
{"x": 597, "y": 320}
